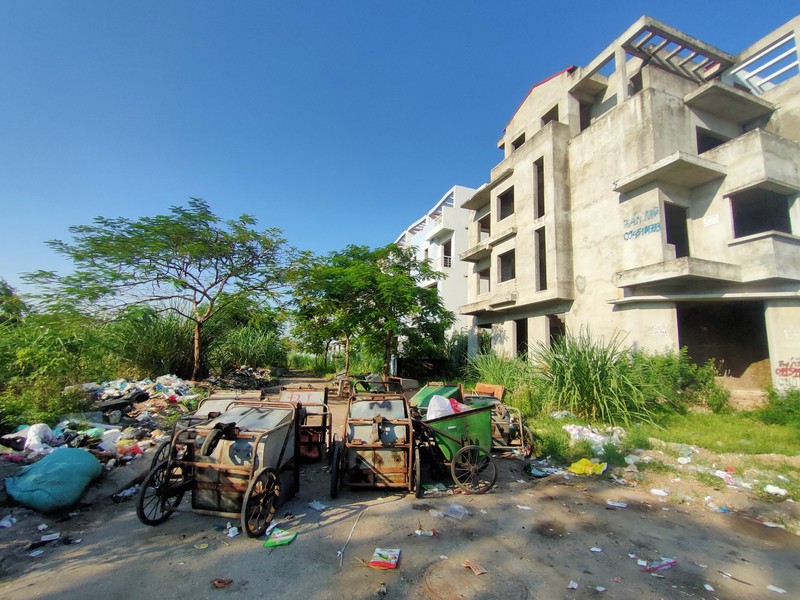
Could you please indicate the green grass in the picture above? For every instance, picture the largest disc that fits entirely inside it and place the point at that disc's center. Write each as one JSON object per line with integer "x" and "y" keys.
{"x": 722, "y": 433}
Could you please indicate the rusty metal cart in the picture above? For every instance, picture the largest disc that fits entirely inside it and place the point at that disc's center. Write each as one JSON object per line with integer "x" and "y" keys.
{"x": 376, "y": 448}
{"x": 238, "y": 463}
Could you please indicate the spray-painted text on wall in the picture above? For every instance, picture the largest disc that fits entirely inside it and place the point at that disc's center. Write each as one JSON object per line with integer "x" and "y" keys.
{"x": 639, "y": 225}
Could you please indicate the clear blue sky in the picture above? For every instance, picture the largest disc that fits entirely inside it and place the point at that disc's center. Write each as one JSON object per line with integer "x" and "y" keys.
{"x": 338, "y": 122}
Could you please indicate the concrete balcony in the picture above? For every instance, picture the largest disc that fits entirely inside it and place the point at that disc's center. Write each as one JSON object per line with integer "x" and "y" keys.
{"x": 489, "y": 302}
{"x": 768, "y": 255}
{"x": 484, "y": 248}
{"x": 680, "y": 168}
{"x": 483, "y": 195}
{"x": 678, "y": 271}
{"x": 727, "y": 102}
{"x": 759, "y": 158}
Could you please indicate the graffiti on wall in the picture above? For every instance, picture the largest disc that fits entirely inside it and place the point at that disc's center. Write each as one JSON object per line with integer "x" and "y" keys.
{"x": 639, "y": 225}
{"x": 787, "y": 373}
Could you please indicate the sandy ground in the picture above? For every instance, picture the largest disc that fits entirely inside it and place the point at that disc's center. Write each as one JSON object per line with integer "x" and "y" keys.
{"x": 533, "y": 536}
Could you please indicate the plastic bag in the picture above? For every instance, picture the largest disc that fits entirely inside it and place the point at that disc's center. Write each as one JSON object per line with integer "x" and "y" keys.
{"x": 586, "y": 467}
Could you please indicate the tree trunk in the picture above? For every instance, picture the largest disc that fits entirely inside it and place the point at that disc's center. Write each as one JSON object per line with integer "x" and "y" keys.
{"x": 325, "y": 359}
{"x": 197, "y": 367}
{"x": 387, "y": 353}
{"x": 346, "y": 354}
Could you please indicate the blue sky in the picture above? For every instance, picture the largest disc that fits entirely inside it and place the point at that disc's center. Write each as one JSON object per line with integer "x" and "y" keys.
{"x": 338, "y": 122}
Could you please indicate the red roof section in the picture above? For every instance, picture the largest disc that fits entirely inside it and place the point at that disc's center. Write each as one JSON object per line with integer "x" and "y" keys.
{"x": 569, "y": 69}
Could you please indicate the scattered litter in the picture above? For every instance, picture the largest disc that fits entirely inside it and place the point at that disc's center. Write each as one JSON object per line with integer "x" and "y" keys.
{"x": 616, "y": 504}
{"x": 483, "y": 512}
{"x": 456, "y": 511}
{"x": 572, "y": 585}
{"x": 534, "y": 472}
{"x": 656, "y": 575}
{"x": 725, "y": 476}
{"x": 314, "y": 504}
{"x": 221, "y": 583}
{"x": 631, "y": 555}
{"x": 42, "y": 527}
{"x": 595, "y": 549}
{"x": 661, "y": 565}
{"x": 51, "y": 537}
{"x": 777, "y": 590}
{"x": 7, "y": 521}
{"x": 385, "y": 558}
{"x": 775, "y": 490}
{"x": 684, "y": 460}
{"x": 426, "y": 532}
{"x": 658, "y": 492}
{"x": 435, "y": 513}
{"x": 709, "y": 588}
{"x": 729, "y": 576}
{"x": 586, "y": 467}
{"x": 774, "y": 525}
{"x": 443, "y": 557}
{"x": 476, "y": 568}
{"x": 523, "y": 507}
{"x": 600, "y": 588}
{"x": 131, "y": 491}
{"x": 280, "y": 537}
{"x": 233, "y": 532}
{"x": 381, "y": 591}
{"x": 36, "y": 553}
{"x": 340, "y": 553}
{"x": 201, "y": 546}
{"x": 641, "y": 562}
{"x": 434, "y": 489}
{"x": 617, "y": 580}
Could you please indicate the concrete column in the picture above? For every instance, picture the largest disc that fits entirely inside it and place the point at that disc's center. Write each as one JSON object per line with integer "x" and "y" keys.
{"x": 573, "y": 115}
{"x": 473, "y": 337}
{"x": 504, "y": 338}
{"x": 783, "y": 337}
{"x": 621, "y": 60}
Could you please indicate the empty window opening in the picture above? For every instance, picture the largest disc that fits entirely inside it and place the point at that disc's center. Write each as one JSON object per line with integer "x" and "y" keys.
{"x": 734, "y": 334}
{"x": 677, "y": 229}
{"x": 515, "y": 145}
{"x": 550, "y": 115}
{"x": 521, "y": 327}
{"x": 447, "y": 254}
{"x": 484, "y": 281}
{"x": 585, "y": 114}
{"x": 541, "y": 259}
{"x": 505, "y": 203}
{"x": 557, "y": 328}
{"x": 759, "y": 210}
{"x": 635, "y": 84}
{"x": 707, "y": 140}
{"x": 484, "y": 228}
{"x": 506, "y": 266}
{"x": 538, "y": 170}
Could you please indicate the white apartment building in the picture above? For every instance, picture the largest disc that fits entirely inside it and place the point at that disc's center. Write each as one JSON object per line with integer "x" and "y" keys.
{"x": 652, "y": 194}
{"x": 440, "y": 235}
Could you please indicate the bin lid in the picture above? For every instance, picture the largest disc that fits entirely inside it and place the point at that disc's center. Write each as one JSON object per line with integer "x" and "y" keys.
{"x": 259, "y": 418}
{"x": 423, "y": 397}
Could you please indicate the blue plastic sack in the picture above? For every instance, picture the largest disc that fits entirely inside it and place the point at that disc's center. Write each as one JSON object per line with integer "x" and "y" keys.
{"x": 56, "y": 481}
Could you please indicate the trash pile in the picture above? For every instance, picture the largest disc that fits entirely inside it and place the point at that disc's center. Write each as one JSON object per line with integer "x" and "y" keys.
{"x": 243, "y": 378}
{"x": 598, "y": 439}
{"x": 127, "y": 418}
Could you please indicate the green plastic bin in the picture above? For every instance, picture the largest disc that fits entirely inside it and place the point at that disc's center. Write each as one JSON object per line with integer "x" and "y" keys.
{"x": 469, "y": 428}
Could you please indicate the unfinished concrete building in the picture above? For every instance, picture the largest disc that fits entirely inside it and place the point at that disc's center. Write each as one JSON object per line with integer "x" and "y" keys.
{"x": 652, "y": 194}
{"x": 440, "y": 236}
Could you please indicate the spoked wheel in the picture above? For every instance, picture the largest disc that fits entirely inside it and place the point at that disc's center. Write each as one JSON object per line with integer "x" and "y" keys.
{"x": 418, "y": 489}
{"x": 337, "y": 467}
{"x": 527, "y": 441}
{"x": 473, "y": 470}
{"x": 162, "y": 453}
{"x": 260, "y": 502}
{"x": 159, "y": 490}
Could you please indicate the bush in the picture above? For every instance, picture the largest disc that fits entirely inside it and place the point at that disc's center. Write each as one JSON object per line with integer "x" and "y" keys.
{"x": 592, "y": 380}
{"x": 246, "y": 346}
{"x": 488, "y": 367}
{"x": 782, "y": 409}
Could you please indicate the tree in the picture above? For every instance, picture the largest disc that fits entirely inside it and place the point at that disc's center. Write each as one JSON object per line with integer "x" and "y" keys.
{"x": 189, "y": 261}
{"x": 12, "y": 307}
{"x": 376, "y": 294}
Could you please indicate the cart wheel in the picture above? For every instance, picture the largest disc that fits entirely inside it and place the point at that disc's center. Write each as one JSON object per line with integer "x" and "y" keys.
{"x": 337, "y": 466}
{"x": 162, "y": 453}
{"x": 155, "y": 494}
{"x": 260, "y": 501}
{"x": 527, "y": 441}
{"x": 473, "y": 470}
{"x": 418, "y": 489}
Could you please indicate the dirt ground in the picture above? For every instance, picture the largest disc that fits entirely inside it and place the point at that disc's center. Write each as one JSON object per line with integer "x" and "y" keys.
{"x": 532, "y": 536}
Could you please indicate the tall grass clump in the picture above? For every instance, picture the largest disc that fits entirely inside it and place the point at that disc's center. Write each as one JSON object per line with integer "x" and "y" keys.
{"x": 490, "y": 367}
{"x": 246, "y": 346}
{"x": 310, "y": 363}
{"x": 781, "y": 409}
{"x": 591, "y": 379}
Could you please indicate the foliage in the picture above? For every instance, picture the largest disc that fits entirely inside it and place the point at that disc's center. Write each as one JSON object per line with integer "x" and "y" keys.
{"x": 371, "y": 294}
{"x": 590, "y": 379}
{"x": 246, "y": 346}
{"x": 12, "y": 306}
{"x": 781, "y": 409}
{"x": 190, "y": 262}
{"x": 489, "y": 367}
